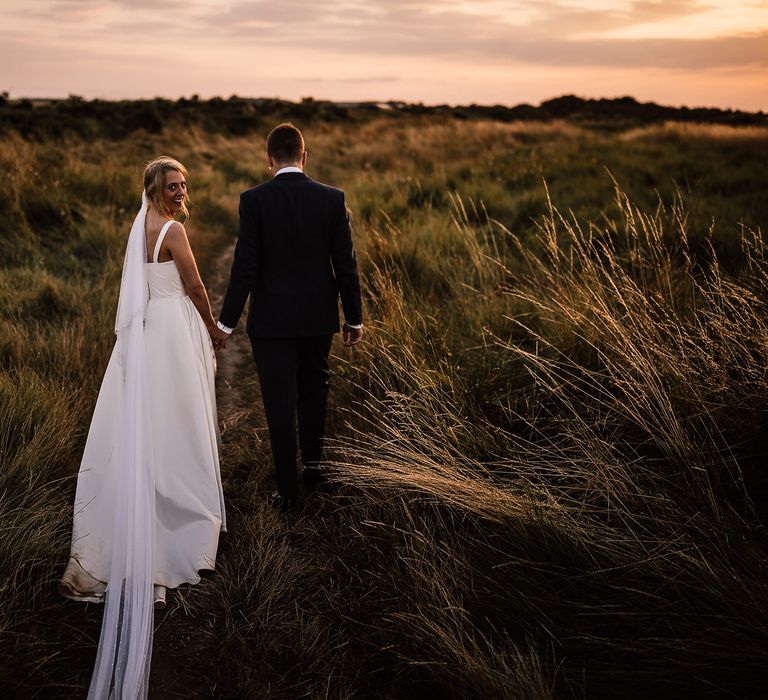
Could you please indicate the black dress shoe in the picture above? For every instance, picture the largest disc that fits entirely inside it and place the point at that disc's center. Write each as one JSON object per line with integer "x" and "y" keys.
{"x": 313, "y": 477}
{"x": 282, "y": 504}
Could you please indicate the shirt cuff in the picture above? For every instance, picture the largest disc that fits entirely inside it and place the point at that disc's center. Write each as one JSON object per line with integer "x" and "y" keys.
{"x": 355, "y": 327}
{"x": 224, "y": 328}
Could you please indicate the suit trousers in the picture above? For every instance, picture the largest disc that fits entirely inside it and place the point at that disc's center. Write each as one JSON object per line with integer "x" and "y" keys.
{"x": 293, "y": 374}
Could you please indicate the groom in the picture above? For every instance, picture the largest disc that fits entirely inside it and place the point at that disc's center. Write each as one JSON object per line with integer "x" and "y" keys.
{"x": 294, "y": 257}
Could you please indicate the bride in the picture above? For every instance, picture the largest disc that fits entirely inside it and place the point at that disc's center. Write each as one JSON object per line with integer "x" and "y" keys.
{"x": 149, "y": 504}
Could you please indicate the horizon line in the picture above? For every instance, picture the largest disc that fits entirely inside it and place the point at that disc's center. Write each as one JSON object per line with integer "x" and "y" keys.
{"x": 391, "y": 102}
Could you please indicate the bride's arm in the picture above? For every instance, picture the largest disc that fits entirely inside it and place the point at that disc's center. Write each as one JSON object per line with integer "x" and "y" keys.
{"x": 179, "y": 248}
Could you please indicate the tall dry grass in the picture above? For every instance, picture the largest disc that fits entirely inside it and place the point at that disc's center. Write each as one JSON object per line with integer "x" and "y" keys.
{"x": 549, "y": 474}
{"x": 595, "y": 466}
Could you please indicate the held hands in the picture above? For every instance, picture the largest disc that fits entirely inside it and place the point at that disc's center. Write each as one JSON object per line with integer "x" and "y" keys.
{"x": 352, "y": 336}
{"x": 218, "y": 337}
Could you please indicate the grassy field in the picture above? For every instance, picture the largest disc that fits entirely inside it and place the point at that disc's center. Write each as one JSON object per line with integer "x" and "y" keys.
{"x": 549, "y": 456}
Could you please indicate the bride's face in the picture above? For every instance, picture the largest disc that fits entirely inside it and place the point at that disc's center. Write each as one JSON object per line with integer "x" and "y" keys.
{"x": 174, "y": 191}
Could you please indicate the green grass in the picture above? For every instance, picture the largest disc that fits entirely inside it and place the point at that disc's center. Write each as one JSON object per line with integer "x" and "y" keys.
{"x": 548, "y": 455}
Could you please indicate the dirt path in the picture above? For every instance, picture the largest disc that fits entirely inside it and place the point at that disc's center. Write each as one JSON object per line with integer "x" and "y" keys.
{"x": 233, "y": 404}
{"x": 185, "y": 644}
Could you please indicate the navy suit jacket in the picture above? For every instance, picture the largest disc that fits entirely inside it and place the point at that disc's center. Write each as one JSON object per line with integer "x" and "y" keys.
{"x": 294, "y": 257}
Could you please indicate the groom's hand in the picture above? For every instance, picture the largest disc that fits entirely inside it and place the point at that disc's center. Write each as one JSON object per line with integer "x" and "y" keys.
{"x": 352, "y": 336}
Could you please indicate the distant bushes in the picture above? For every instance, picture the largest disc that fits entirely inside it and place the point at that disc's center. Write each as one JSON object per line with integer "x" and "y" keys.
{"x": 238, "y": 116}
{"x": 116, "y": 120}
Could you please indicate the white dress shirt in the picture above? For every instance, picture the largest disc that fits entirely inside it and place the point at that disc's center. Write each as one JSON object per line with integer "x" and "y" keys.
{"x": 286, "y": 169}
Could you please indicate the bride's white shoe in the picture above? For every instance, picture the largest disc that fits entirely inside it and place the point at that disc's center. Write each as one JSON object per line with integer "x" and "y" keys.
{"x": 159, "y": 597}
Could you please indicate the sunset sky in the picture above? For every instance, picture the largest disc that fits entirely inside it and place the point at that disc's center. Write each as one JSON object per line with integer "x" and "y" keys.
{"x": 692, "y": 52}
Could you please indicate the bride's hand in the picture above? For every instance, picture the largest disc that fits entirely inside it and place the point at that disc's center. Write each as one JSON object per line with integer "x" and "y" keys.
{"x": 218, "y": 337}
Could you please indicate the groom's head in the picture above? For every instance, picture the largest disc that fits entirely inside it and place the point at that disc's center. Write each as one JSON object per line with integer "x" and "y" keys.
{"x": 285, "y": 146}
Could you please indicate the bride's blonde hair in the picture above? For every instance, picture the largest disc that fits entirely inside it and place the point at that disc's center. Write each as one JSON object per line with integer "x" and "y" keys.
{"x": 154, "y": 181}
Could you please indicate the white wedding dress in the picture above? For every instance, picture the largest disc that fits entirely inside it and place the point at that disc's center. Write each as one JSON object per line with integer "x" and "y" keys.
{"x": 189, "y": 504}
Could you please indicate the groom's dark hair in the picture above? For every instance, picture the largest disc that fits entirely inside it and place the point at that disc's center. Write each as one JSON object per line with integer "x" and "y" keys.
{"x": 285, "y": 143}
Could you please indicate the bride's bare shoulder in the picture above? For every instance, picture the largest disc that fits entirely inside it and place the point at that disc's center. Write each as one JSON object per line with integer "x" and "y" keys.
{"x": 176, "y": 231}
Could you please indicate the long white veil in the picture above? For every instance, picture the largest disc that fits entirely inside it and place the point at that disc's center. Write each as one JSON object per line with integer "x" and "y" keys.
{"x": 125, "y": 644}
